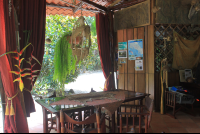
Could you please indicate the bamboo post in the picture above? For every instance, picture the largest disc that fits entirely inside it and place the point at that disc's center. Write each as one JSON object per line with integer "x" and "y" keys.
{"x": 164, "y": 79}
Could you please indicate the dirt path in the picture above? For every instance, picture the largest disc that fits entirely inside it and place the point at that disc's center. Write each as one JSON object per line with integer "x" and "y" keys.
{"x": 86, "y": 81}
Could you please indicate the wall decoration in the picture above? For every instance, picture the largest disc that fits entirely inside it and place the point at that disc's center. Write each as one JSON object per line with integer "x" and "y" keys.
{"x": 122, "y": 61}
{"x": 136, "y": 15}
{"x": 175, "y": 12}
{"x": 122, "y": 54}
{"x": 122, "y": 45}
{"x": 135, "y": 49}
{"x": 138, "y": 65}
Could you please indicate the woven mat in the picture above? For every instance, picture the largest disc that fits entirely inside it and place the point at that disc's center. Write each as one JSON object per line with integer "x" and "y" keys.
{"x": 110, "y": 100}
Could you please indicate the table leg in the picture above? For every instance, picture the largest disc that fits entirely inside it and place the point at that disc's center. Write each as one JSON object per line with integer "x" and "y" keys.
{"x": 141, "y": 103}
{"x": 113, "y": 122}
{"x": 45, "y": 122}
{"x": 98, "y": 120}
{"x": 58, "y": 123}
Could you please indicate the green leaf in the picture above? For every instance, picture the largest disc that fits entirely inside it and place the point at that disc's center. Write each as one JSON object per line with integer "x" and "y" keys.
{"x": 35, "y": 59}
{"x": 8, "y": 53}
{"x": 24, "y": 49}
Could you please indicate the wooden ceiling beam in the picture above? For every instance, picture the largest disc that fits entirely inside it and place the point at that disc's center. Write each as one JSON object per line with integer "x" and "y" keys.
{"x": 95, "y": 5}
{"x": 72, "y": 8}
{"x": 126, "y": 4}
{"x": 117, "y": 2}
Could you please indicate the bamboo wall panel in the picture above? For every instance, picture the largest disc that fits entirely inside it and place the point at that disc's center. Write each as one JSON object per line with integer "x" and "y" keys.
{"x": 141, "y": 36}
{"x": 135, "y": 36}
{"x": 131, "y": 63}
{"x": 175, "y": 12}
{"x": 125, "y": 40}
{"x": 121, "y": 81}
{"x": 139, "y": 81}
{"x": 122, "y": 67}
{"x": 151, "y": 85}
{"x": 131, "y": 82}
{"x": 120, "y": 38}
{"x": 151, "y": 49}
{"x": 126, "y": 81}
{"x": 136, "y": 15}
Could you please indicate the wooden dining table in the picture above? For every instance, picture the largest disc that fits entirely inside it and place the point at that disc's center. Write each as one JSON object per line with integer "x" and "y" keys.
{"x": 55, "y": 109}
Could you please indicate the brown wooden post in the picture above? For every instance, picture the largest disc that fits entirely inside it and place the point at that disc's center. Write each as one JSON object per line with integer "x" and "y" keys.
{"x": 140, "y": 123}
{"x": 58, "y": 122}
{"x": 62, "y": 122}
{"x": 113, "y": 123}
{"x": 120, "y": 124}
{"x": 45, "y": 122}
{"x": 146, "y": 123}
{"x": 98, "y": 120}
{"x": 152, "y": 18}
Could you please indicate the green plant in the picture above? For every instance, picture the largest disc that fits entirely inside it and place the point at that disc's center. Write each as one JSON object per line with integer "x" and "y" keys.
{"x": 21, "y": 70}
{"x": 56, "y": 26}
{"x": 64, "y": 61}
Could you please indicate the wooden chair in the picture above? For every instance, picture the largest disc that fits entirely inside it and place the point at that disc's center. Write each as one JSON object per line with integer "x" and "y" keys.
{"x": 170, "y": 102}
{"x": 136, "y": 119}
{"x": 75, "y": 113}
{"x": 51, "y": 122}
{"x": 69, "y": 125}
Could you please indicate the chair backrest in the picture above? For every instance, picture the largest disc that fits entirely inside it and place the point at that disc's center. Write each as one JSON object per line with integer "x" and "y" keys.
{"x": 67, "y": 123}
{"x": 149, "y": 105}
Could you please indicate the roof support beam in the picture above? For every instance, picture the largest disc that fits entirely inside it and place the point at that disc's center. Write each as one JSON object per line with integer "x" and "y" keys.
{"x": 91, "y": 10}
{"x": 95, "y": 5}
{"x": 126, "y": 4}
{"x": 68, "y": 3}
{"x": 79, "y": 5}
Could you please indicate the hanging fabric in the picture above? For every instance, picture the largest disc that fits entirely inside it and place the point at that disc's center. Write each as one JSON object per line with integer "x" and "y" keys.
{"x": 15, "y": 121}
{"x": 186, "y": 53}
{"x": 32, "y": 19}
{"x": 102, "y": 28}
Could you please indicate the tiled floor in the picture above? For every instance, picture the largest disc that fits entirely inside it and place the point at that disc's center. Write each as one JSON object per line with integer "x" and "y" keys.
{"x": 184, "y": 123}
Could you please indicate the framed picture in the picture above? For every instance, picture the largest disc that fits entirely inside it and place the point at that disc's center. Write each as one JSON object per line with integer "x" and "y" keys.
{"x": 122, "y": 54}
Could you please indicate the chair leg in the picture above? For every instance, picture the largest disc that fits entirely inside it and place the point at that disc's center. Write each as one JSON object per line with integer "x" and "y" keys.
{"x": 120, "y": 129}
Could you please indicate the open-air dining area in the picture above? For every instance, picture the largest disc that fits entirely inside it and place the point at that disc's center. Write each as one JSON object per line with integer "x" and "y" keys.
{"x": 159, "y": 123}
{"x": 100, "y": 66}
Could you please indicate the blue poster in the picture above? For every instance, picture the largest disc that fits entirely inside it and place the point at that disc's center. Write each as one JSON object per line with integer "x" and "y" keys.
{"x": 122, "y": 45}
{"x": 135, "y": 49}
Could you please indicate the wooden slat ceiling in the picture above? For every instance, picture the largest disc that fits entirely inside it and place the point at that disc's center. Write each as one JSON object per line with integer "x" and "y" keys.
{"x": 89, "y": 7}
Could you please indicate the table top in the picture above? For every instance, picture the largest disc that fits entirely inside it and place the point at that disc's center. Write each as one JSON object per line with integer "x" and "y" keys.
{"x": 46, "y": 103}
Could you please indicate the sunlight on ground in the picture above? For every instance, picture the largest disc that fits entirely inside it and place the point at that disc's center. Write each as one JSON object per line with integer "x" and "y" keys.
{"x": 86, "y": 81}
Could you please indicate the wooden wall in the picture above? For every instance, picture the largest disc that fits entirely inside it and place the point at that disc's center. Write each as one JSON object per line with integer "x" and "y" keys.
{"x": 139, "y": 81}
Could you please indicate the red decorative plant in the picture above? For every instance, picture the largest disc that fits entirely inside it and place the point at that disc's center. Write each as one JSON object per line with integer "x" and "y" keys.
{"x": 20, "y": 71}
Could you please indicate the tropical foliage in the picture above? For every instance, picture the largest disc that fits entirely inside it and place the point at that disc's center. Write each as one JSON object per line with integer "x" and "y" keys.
{"x": 56, "y": 26}
{"x": 64, "y": 61}
{"x": 21, "y": 70}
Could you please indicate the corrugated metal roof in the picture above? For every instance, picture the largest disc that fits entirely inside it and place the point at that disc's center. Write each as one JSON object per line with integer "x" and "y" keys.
{"x": 64, "y": 8}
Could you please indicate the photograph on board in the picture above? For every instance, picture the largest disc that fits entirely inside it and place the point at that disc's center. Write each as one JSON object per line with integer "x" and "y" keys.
{"x": 122, "y": 54}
